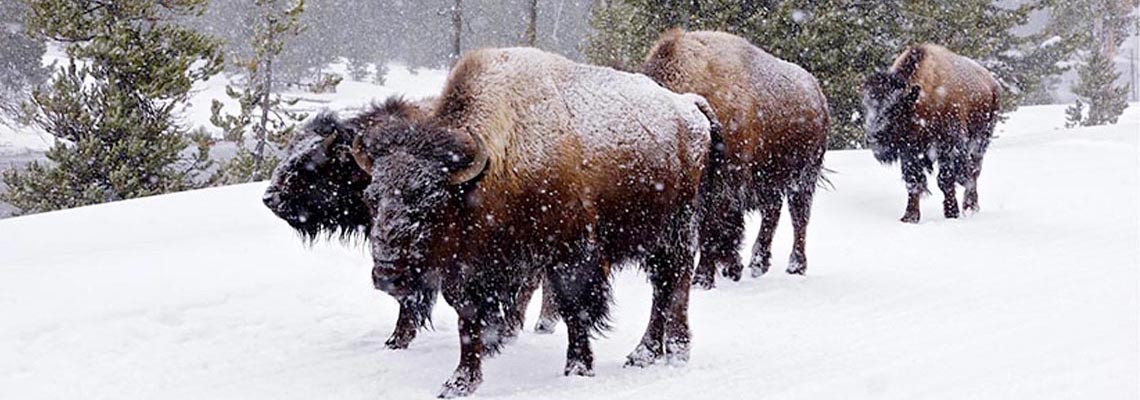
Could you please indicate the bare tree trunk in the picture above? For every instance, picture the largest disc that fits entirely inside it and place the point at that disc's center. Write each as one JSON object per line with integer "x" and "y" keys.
{"x": 263, "y": 124}
{"x": 532, "y": 24}
{"x": 456, "y": 31}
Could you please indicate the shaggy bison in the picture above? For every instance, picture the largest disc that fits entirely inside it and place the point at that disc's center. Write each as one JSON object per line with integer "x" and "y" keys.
{"x": 776, "y": 121}
{"x": 932, "y": 105}
{"x": 530, "y": 164}
{"x": 318, "y": 189}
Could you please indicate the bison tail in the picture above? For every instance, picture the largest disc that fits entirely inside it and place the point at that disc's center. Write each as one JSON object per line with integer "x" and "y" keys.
{"x": 716, "y": 134}
{"x": 822, "y": 181}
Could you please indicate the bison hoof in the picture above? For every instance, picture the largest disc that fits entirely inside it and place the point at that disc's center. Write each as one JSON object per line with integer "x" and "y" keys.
{"x": 545, "y": 326}
{"x": 677, "y": 353}
{"x": 759, "y": 267}
{"x": 796, "y": 267}
{"x": 642, "y": 357}
{"x": 398, "y": 342}
{"x": 460, "y": 385}
{"x": 578, "y": 368}
{"x": 950, "y": 212}
{"x": 910, "y": 218}
{"x": 733, "y": 272}
{"x": 703, "y": 281}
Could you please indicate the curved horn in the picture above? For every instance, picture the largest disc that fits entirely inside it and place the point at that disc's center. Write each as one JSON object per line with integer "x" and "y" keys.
{"x": 362, "y": 159}
{"x": 475, "y": 168}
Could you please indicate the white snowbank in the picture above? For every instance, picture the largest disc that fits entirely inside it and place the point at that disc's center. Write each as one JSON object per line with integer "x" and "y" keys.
{"x": 207, "y": 295}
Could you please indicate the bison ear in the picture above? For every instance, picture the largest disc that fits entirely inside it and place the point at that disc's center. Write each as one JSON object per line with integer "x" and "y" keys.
{"x": 363, "y": 160}
{"x": 325, "y": 124}
{"x": 912, "y": 94}
{"x": 479, "y": 161}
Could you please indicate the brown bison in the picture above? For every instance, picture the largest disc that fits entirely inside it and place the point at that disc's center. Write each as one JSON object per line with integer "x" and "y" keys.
{"x": 932, "y": 105}
{"x": 532, "y": 163}
{"x": 776, "y": 121}
{"x": 319, "y": 190}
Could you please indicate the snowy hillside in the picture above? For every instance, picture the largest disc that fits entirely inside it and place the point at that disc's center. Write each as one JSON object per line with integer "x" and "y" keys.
{"x": 206, "y": 295}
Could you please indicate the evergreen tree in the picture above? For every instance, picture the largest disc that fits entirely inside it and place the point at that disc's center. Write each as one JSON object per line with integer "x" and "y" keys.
{"x": 1097, "y": 86}
{"x": 1099, "y": 27}
{"x": 262, "y": 116}
{"x": 112, "y": 109}
{"x": 841, "y": 41}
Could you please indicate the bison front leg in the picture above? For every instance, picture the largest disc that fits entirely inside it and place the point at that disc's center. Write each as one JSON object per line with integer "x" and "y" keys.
{"x": 406, "y": 327}
{"x": 914, "y": 174}
{"x": 469, "y": 374}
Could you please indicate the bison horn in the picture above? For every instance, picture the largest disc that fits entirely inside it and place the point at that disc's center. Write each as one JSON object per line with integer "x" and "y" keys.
{"x": 476, "y": 167}
{"x": 362, "y": 159}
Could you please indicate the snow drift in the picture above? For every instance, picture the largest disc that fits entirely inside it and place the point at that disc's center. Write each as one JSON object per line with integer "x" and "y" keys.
{"x": 206, "y": 295}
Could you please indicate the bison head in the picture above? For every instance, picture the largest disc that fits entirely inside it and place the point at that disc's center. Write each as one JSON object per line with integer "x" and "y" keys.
{"x": 888, "y": 113}
{"x": 419, "y": 172}
{"x": 318, "y": 188}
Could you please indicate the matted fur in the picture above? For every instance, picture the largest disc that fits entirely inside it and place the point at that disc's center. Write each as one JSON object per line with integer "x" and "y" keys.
{"x": 587, "y": 167}
{"x": 775, "y": 121}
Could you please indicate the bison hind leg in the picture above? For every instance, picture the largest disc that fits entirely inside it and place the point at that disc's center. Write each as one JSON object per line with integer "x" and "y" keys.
{"x": 721, "y": 229}
{"x": 669, "y": 268}
{"x": 770, "y": 203}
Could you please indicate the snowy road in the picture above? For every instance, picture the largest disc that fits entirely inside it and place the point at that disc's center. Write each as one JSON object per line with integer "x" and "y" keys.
{"x": 205, "y": 295}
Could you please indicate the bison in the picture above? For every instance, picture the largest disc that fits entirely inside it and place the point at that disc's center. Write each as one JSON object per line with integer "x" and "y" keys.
{"x": 776, "y": 121}
{"x": 318, "y": 189}
{"x": 932, "y": 105}
{"x": 533, "y": 163}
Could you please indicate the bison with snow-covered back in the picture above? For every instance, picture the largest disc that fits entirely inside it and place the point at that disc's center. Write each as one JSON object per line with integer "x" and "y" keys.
{"x": 319, "y": 189}
{"x": 775, "y": 118}
{"x": 533, "y": 163}
{"x": 932, "y": 105}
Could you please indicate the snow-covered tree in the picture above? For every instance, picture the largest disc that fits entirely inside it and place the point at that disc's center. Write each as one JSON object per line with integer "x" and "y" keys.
{"x": 263, "y": 117}
{"x": 112, "y": 108}
{"x": 1099, "y": 27}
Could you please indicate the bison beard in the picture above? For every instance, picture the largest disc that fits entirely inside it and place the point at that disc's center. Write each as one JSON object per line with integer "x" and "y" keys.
{"x": 932, "y": 106}
{"x": 531, "y": 165}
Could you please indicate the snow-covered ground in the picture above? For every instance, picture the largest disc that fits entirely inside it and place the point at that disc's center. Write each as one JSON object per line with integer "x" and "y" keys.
{"x": 206, "y": 295}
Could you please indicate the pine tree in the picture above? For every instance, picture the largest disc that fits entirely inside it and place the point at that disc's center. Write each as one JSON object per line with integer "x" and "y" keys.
{"x": 1097, "y": 86}
{"x": 1099, "y": 27}
{"x": 262, "y": 117}
{"x": 112, "y": 108}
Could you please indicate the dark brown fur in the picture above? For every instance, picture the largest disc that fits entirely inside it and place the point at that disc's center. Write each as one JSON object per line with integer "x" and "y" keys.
{"x": 776, "y": 122}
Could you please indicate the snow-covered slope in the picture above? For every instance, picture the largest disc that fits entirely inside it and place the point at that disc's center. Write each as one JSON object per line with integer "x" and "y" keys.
{"x": 205, "y": 295}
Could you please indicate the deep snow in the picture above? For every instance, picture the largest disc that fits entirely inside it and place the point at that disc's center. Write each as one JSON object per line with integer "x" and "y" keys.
{"x": 207, "y": 295}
